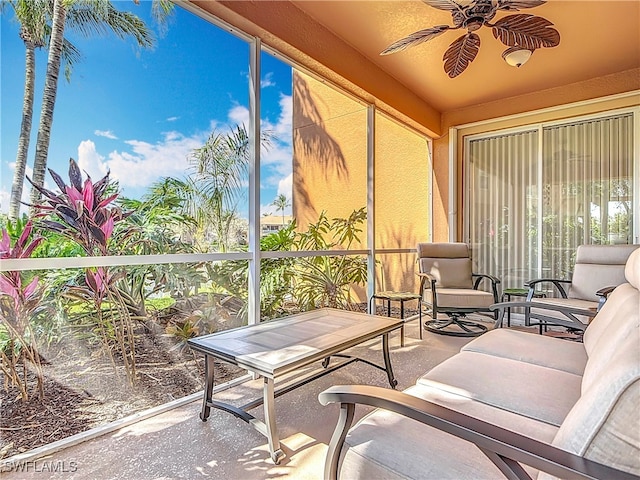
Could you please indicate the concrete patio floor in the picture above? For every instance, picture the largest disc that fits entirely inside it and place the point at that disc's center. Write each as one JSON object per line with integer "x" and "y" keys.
{"x": 178, "y": 445}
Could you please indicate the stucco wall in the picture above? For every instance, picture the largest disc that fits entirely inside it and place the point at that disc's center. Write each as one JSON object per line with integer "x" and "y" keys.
{"x": 330, "y": 174}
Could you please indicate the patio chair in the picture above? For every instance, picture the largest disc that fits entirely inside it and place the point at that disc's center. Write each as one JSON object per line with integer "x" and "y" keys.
{"x": 449, "y": 287}
{"x": 598, "y": 270}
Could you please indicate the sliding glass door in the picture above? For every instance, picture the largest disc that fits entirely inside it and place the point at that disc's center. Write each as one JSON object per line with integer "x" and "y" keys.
{"x": 538, "y": 193}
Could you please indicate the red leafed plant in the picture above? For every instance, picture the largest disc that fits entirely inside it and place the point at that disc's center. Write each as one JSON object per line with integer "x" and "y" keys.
{"x": 85, "y": 212}
{"x": 18, "y": 304}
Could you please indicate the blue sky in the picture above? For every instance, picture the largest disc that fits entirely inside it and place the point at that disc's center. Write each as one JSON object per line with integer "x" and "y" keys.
{"x": 139, "y": 112}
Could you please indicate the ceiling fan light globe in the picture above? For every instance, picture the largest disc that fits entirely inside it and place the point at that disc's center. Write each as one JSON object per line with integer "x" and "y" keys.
{"x": 516, "y": 56}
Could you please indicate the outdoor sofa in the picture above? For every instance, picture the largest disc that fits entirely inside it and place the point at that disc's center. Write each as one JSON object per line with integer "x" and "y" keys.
{"x": 510, "y": 404}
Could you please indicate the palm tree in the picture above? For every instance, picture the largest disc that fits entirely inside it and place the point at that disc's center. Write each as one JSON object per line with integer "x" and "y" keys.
{"x": 34, "y": 17}
{"x": 33, "y": 20}
{"x": 281, "y": 202}
{"x": 88, "y": 17}
{"x": 217, "y": 182}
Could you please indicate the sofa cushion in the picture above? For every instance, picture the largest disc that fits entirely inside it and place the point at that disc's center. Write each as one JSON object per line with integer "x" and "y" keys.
{"x": 528, "y": 347}
{"x": 608, "y": 315}
{"x": 604, "y": 424}
{"x": 607, "y": 345}
{"x": 541, "y": 393}
{"x": 389, "y": 446}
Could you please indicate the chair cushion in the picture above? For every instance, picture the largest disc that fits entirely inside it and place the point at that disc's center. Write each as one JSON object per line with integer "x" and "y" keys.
{"x": 608, "y": 316}
{"x": 604, "y": 254}
{"x": 443, "y": 250}
{"x": 448, "y": 272}
{"x": 528, "y": 347}
{"x": 596, "y": 267}
{"x": 460, "y": 298}
{"x": 589, "y": 278}
{"x": 607, "y": 345}
{"x": 632, "y": 270}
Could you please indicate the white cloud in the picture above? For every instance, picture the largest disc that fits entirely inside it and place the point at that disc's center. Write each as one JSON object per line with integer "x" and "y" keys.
{"x": 172, "y": 119}
{"x": 106, "y": 134}
{"x": 90, "y": 161}
{"x": 145, "y": 163}
{"x": 285, "y": 186}
{"x": 239, "y": 115}
{"x": 5, "y": 195}
{"x": 267, "y": 81}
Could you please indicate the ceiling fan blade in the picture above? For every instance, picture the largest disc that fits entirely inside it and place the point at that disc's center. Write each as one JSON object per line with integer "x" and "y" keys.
{"x": 460, "y": 54}
{"x": 457, "y": 10}
{"x": 448, "y": 5}
{"x": 527, "y": 31}
{"x": 514, "y": 5}
{"x": 415, "y": 38}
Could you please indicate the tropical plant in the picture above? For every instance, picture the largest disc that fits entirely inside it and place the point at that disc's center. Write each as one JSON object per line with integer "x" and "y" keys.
{"x": 87, "y": 17}
{"x": 20, "y": 302}
{"x": 84, "y": 212}
{"x": 326, "y": 281}
{"x": 301, "y": 283}
{"x": 281, "y": 202}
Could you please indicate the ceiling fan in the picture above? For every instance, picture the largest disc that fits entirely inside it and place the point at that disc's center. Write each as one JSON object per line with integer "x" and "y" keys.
{"x": 522, "y": 33}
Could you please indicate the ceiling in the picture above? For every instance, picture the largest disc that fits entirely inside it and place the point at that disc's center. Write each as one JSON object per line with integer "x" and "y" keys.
{"x": 597, "y": 38}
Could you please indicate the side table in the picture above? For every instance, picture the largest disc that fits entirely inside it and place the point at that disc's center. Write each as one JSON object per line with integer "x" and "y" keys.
{"x": 388, "y": 297}
{"x": 507, "y": 293}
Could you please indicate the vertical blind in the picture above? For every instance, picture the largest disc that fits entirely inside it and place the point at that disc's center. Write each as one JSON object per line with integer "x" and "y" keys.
{"x": 588, "y": 188}
{"x": 504, "y": 183}
{"x": 529, "y": 210}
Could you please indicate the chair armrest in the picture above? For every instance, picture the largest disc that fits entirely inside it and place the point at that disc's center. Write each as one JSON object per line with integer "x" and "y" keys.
{"x": 424, "y": 278}
{"x": 558, "y": 308}
{"x": 556, "y": 282}
{"x": 494, "y": 283}
{"x": 604, "y": 293}
{"x": 506, "y": 449}
{"x": 484, "y": 275}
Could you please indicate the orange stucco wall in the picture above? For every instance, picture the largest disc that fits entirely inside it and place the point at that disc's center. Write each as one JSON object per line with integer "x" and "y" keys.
{"x": 330, "y": 174}
{"x": 329, "y": 153}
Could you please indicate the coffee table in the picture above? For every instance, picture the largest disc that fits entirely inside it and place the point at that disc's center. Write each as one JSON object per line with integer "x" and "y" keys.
{"x": 274, "y": 348}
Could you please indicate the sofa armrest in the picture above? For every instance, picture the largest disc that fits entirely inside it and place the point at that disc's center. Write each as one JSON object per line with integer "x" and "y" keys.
{"x": 506, "y": 449}
{"x": 568, "y": 311}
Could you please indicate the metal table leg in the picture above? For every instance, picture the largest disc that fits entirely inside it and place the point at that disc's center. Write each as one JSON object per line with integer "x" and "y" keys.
{"x": 270, "y": 421}
{"x": 387, "y": 361}
{"x": 208, "y": 390}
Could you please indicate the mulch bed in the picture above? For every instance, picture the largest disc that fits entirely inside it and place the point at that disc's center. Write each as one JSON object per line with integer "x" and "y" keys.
{"x": 83, "y": 390}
